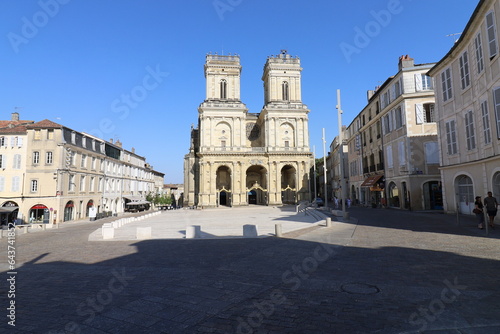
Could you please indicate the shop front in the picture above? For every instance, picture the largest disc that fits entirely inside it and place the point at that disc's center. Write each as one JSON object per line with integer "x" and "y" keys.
{"x": 375, "y": 196}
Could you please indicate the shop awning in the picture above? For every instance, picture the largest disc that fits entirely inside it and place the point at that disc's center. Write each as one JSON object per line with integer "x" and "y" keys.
{"x": 138, "y": 203}
{"x": 8, "y": 209}
{"x": 134, "y": 198}
{"x": 371, "y": 181}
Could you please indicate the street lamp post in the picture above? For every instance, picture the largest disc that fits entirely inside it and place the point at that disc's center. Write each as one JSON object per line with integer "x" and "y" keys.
{"x": 324, "y": 168}
{"x": 314, "y": 169}
{"x": 341, "y": 151}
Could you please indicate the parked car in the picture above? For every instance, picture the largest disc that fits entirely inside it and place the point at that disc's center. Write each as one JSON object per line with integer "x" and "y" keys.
{"x": 318, "y": 201}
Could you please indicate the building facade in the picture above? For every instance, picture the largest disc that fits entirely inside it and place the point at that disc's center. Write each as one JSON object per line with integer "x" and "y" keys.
{"x": 241, "y": 158}
{"x": 54, "y": 174}
{"x": 468, "y": 108}
{"x": 393, "y": 144}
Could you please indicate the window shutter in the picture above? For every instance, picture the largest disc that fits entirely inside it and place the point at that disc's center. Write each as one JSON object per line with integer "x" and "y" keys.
{"x": 12, "y": 141}
{"x": 431, "y": 153}
{"x": 393, "y": 93}
{"x": 448, "y": 136}
{"x": 2, "y": 183}
{"x": 453, "y": 129}
{"x": 402, "y": 155}
{"x": 491, "y": 31}
{"x": 419, "y": 113}
{"x": 3, "y": 161}
{"x": 15, "y": 183}
{"x": 20, "y": 142}
{"x": 496, "y": 96}
{"x": 390, "y": 163}
{"x": 418, "y": 82}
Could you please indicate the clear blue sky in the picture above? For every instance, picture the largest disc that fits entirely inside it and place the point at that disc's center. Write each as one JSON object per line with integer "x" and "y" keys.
{"x": 75, "y": 62}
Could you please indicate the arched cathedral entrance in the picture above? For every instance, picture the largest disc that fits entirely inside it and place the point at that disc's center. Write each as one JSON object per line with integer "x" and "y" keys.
{"x": 288, "y": 185}
{"x": 223, "y": 183}
{"x": 256, "y": 183}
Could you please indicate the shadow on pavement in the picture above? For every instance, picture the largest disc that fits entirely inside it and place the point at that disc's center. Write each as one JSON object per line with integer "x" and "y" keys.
{"x": 433, "y": 222}
{"x": 267, "y": 285}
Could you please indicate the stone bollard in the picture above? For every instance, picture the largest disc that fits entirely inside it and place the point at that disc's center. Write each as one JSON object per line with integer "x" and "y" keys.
{"x": 328, "y": 222}
{"x": 106, "y": 225}
{"x": 108, "y": 233}
{"x": 193, "y": 231}
{"x": 250, "y": 231}
{"x": 347, "y": 216}
{"x": 278, "y": 231}
{"x": 143, "y": 233}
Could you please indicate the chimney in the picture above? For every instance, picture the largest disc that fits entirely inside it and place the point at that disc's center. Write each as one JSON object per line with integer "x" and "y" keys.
{"x": 15, "y": 117}
{"x": 405, "y": 62}
{"x": 111, "y": 140}
{"x": 369, "y": 94}
{"x": 118, "y": 143}
{"x": 133, "y": 150}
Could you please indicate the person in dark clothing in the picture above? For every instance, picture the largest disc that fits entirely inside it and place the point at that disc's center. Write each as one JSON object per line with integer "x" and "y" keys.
{"x": 491, "y": 205}
{"x": 478, "y": 210}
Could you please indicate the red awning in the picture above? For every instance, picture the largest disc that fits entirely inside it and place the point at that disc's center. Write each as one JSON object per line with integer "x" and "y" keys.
{"x": 38, "y": 206}
{"x": 371, "y": 181}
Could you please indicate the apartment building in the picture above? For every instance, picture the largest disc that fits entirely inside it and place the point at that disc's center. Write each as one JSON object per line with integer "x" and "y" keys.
{"x": 468, "y": 111}
{"x": 338, "y": 165}
{"x": 52, "y": 173}
{"x": 12, "y": 165}
{"x": 393, "y": 145}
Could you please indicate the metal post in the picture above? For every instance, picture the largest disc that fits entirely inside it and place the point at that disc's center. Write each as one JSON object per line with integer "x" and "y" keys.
{"x": 341, "y": 151}
{"x": 314, "y": 168}
{"x": 324, "y": 169}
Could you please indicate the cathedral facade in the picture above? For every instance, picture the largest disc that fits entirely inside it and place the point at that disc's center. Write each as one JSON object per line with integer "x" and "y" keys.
{"x": 239, "y": 158}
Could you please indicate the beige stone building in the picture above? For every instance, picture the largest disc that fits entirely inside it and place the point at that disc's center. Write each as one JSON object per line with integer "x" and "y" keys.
{"x": 51, "y": 173}
{"x": 241, "y": 158}
{"x": 393, "y": 143}
{"x": 468, "y": 111}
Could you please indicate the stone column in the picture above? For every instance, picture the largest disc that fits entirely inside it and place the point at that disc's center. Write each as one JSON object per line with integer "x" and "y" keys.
{"x": 212, "y": 186}
{"x": 243, "y": 184}
{"x": 201, "y": 195}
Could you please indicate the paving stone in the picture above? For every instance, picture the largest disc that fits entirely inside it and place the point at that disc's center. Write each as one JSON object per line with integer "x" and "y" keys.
{"x": 212, "y": 286}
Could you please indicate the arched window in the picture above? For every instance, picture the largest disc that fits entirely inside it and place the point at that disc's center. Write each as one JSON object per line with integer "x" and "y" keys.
{"x": 496, "y": 185}
{"x": 394, "y": 199}
{"x": 285, "y": 91}
{"x": 223, "y": 89}
{"x": 465, "y": 189}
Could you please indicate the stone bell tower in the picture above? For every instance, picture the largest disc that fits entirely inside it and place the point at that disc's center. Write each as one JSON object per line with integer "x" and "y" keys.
{"x": 239, "y": 158}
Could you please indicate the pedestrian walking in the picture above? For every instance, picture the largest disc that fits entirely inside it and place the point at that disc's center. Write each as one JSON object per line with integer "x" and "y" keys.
{"x": 336, "y": 202}
{"x": 478, "y": 210}
{"x": 491, "y": 205}
{"x": 348, "y": 203}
